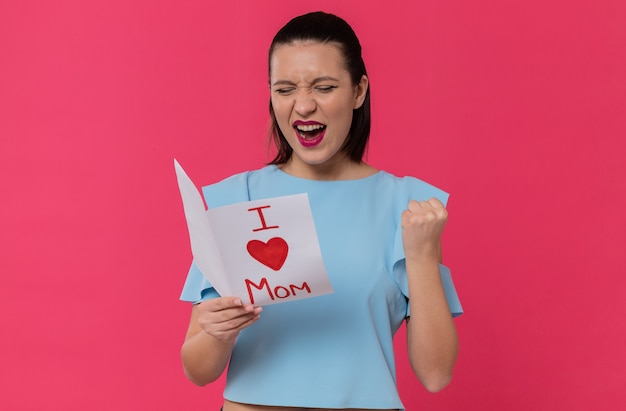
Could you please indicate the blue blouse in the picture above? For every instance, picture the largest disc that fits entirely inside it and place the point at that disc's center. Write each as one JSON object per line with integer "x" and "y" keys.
{"x": 336, "y": 350}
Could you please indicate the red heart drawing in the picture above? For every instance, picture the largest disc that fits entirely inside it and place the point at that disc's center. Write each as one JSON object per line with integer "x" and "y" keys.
{"x": 272, "y": 254}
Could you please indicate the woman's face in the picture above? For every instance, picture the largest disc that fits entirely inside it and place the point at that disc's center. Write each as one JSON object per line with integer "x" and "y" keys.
{"x": 313, "y": 99}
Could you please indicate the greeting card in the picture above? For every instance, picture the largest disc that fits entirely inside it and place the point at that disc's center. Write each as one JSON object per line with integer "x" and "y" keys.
{"x": 263, "y": 251}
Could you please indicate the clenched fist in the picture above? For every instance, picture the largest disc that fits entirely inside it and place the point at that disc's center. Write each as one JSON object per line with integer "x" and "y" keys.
{"x": 422, "y": 225}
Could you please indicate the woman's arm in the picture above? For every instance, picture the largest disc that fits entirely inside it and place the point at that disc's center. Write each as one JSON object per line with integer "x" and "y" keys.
{"x": 213, "y": 329}
{"x": 431, "y": 333}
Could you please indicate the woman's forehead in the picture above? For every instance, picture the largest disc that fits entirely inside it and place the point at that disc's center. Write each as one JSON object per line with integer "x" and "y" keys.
{"x": 307, "y": 57}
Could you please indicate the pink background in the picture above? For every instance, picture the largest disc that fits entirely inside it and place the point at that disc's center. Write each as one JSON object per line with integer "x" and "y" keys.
{"x": 518, "y": 108}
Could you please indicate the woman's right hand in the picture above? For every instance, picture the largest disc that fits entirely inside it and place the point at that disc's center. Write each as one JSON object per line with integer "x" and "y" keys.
{"x": 224, "y": 317}
{"x": 213, "y": 327}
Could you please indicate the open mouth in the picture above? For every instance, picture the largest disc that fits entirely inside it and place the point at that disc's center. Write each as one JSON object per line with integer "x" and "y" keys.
{"x": 310, "y": 132}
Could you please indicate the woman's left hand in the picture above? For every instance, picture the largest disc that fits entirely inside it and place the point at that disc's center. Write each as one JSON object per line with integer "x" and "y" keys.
{"x": 422, "y": 225}
{"x": 431, "y": 334}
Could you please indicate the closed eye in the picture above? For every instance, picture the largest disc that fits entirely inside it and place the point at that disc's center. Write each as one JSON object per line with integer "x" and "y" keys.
{"x": 325, "y": 89}
{"x": 285, "y": 91}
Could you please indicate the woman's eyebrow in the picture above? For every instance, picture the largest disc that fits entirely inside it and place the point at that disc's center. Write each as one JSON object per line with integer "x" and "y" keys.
{"x": 324, "y": 78}
{"x": 315, "y": 81}
{"x": 283, "y": 83}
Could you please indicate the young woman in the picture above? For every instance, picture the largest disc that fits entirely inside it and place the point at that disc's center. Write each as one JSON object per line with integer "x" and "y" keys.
{"x": 380, "y": 241}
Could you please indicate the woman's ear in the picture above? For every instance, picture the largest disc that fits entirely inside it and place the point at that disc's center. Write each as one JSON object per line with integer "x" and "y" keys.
{"x": 361, "y": 91}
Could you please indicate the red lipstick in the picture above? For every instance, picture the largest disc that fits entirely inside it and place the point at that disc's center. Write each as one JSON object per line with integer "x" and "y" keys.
{"x": 309, "y": 133}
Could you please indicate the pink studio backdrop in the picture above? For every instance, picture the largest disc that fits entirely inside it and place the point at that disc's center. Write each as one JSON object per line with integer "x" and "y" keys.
{"x": 517, "y": 108}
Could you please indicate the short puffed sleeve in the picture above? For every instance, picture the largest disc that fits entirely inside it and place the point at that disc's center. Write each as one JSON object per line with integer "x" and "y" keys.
{"x": 197, "y": 288}
{"x": 418, "y": 190}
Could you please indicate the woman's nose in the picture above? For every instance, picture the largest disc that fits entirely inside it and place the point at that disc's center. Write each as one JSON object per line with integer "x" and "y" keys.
{"x": 305, "y": 103}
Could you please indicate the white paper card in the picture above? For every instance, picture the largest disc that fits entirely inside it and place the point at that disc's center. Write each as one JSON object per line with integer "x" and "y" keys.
{"x": 263, "y": 251}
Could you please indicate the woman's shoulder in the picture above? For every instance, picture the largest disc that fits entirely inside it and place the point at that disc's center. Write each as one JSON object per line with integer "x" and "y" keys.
{"x": 241, "y": 177}
{"x": 412, "y": 187}
{"x": 235, "y": 188}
